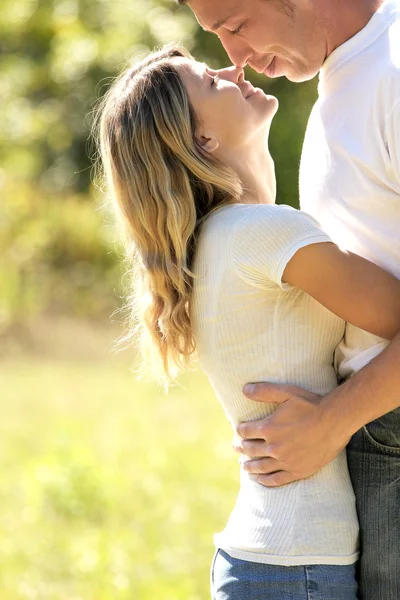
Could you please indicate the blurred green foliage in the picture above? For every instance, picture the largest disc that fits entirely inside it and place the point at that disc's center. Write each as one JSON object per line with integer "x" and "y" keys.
{"x": 109, "y": 489}
{"x": 83, "y": 515}
{"x": 56, "y": 58}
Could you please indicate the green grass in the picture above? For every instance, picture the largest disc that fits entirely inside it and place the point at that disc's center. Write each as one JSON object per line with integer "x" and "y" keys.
{"x": 109, "y": 489}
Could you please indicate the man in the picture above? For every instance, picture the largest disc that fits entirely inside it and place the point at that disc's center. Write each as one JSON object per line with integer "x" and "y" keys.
{"x": 350, "y": 181}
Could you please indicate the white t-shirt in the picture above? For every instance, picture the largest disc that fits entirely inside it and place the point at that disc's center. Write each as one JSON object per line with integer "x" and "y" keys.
{"x": 350, "y": 166}
{"x": 250, "y": 327}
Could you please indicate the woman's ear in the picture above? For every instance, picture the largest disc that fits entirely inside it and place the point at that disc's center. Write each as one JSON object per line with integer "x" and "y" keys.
{"x": 208, "y": 144}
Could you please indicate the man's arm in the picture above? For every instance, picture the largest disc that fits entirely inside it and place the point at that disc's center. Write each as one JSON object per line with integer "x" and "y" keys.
{"x": 307, "y": 431}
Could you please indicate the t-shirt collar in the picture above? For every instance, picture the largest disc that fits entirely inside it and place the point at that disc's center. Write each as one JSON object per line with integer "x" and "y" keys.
{"x": 388, "y": 12}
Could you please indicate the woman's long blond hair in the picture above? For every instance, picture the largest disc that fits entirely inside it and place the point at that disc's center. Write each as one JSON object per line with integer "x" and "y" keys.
{"x": 163, "y": 186}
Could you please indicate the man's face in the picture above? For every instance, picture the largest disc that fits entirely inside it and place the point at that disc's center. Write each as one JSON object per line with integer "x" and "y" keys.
{"x": 275, "y": 37}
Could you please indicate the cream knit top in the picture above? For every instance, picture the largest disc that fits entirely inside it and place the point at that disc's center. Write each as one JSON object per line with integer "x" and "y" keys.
{"x": 249, "y": 326}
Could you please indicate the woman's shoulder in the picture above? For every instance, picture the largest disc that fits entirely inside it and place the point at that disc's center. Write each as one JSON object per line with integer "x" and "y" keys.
{"x": 266, "y": 217}
{"x": 237, "y": 221}
{"x": 236, "y": 214}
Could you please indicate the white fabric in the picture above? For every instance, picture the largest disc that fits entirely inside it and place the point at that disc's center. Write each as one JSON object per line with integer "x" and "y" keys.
{"x": 350, "y": 167}
{"x": 250, "y": 327}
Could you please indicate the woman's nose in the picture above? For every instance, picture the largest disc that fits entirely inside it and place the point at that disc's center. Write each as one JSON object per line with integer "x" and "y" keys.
{"x": 233, "y": 73}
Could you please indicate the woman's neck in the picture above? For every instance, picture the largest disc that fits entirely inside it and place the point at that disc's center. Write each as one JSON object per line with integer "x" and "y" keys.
{"x": 255, "y": 168}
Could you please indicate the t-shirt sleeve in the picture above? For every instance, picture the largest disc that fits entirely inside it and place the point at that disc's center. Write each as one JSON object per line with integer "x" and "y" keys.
{"x": 267, "y": 238}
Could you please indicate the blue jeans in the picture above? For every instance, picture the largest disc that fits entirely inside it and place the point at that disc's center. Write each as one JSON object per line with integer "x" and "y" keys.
{"x": 233, "y": 579}
{"x": 373, "y": 456}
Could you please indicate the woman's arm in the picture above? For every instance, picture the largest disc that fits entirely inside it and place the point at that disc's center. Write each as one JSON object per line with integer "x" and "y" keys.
{"x": 353, "y": 288}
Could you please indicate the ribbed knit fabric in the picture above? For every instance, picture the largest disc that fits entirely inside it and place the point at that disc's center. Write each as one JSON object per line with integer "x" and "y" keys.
{"x": 249, "y": 326}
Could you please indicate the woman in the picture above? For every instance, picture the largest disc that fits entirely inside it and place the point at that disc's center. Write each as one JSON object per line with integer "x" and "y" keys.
{"x": 257, "y": 289}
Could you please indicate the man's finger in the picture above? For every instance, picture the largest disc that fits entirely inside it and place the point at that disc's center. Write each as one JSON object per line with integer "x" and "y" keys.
{"x": 264, "y": 466}
{"x": 276, "y": 479}
{"x": 252, "y": 448}
{"x": 253, "y": 430}
{"x": 269, "y": 392}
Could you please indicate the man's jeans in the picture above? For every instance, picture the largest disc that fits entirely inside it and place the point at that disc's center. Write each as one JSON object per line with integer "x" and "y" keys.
{"x": 374, "y": 461}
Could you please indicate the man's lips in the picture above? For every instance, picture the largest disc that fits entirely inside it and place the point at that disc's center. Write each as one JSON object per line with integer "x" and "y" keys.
{"x": 261, "y": 68}
{"x": 270, "y": 70}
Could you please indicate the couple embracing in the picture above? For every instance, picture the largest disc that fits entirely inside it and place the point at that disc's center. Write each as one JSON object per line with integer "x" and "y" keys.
{"x": 297, "y": 300}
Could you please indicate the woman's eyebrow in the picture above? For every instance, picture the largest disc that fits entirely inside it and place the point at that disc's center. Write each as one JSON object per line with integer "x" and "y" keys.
{"x": 208, "y": 69}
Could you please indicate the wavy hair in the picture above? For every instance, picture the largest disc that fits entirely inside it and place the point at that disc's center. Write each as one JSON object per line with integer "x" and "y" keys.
{"x": 163, "y": 186}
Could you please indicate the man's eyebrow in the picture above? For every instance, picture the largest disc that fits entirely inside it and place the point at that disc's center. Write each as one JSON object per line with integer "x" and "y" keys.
{"x": 218, "y": 24}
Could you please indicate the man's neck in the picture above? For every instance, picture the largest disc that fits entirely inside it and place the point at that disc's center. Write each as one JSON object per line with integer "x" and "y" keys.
{"x": 344, "y": 19}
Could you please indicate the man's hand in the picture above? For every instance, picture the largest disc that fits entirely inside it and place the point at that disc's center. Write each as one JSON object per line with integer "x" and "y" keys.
{"x": 297, "y": 440}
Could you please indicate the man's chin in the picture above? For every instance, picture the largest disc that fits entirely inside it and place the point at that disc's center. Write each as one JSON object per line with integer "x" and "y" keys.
{"x": 299, "y": 77}
{"x": 293, "y": 72}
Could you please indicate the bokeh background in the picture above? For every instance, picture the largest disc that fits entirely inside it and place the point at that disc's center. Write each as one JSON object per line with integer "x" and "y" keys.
{"x": 109, "y": 489}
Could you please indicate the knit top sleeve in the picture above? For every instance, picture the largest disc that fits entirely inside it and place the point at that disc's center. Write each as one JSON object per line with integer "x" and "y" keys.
{"x": 265, "y": 240}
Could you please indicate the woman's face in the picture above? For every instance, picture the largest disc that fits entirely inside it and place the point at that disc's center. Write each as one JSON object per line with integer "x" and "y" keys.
{"x": 232, "y": 113}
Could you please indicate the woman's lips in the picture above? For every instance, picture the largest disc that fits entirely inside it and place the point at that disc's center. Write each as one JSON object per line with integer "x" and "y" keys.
{"x": 250, "y": 90}
{"x": 251, "y": 93}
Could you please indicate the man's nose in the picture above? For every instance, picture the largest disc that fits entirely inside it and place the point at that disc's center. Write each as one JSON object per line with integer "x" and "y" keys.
{"x": 238, "y": 52}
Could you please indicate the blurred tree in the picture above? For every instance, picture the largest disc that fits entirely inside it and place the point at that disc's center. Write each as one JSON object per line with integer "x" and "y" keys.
{"x": 56, "y": 58}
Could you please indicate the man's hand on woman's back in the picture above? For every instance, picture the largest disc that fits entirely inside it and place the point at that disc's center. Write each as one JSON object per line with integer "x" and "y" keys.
{"x": 297, "y": 440}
